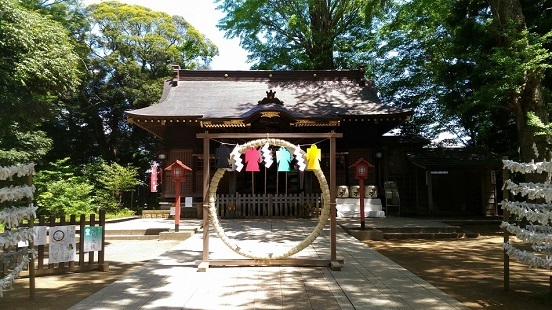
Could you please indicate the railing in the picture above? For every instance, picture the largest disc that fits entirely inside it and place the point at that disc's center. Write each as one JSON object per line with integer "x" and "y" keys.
{"x": 86, "y": 260}
{"x": 260, "y": 205}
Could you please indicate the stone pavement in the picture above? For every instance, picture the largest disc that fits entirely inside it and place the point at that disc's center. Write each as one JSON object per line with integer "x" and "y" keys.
{"x": 367, "y": 280}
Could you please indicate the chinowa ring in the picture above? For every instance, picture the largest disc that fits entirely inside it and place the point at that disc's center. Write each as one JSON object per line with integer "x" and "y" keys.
{"x": 325, "y": 213}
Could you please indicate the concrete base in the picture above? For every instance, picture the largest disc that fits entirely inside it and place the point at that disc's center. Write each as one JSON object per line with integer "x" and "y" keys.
{"x": 350, "y": 207}
{"x": 104, "y": 267}
{"x": 203, "y": 267}
{"x": 173, "y": 235}
{"x": 335, "y": 266}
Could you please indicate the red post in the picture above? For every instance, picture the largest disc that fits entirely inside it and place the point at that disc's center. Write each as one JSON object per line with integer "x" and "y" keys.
{"x": 362, "y": 216}
{"x": 361, "y": 172}
{"x": 177, "y": 206}
{"x": 177, "y": 168}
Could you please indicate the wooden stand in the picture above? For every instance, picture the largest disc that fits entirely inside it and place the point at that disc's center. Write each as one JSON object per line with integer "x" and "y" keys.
{"x": 333, "y": 262}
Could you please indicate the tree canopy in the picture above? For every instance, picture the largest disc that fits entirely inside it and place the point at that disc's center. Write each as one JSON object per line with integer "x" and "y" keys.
{"x": 470, "y": 67}
{"x": 307, "y": 34}
{"x": 128, "y": 53}
{"x": 37, "y": 64}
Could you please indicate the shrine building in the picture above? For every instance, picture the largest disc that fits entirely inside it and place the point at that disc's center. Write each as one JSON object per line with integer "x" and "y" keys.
{"x": 203, "y": 115}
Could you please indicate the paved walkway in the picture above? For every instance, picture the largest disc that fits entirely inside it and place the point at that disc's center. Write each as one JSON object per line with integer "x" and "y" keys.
{"x": 368, "y": 280}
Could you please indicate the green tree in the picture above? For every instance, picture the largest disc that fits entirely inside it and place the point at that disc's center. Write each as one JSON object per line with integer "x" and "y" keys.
{"x": 62, "y": 190}
{"x": 114, "y": 180}
{"x": 37, "y": 63}
{"x": 307, "y": 34}
{"x": 130, "y": 50}
{"x": 449, "y": 61}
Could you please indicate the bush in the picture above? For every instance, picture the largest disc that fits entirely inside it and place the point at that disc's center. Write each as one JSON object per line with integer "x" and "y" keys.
{"x": 72, "y": 196}
{"x": 112, "y": 181}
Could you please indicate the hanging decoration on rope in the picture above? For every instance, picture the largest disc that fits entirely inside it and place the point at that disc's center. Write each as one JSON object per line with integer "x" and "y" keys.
{"x": 283, "y": 157}
{"x": 223, "y": 157}
{"x": 267, "y": 155}
{"x": 298, "y": 153}
{"x": 530, "y": 222}
{"x": 237, "y": 163}
{"x": 252, "y": 159}
{"x": 314, "y": 155}
{"x": 11, "y": 217}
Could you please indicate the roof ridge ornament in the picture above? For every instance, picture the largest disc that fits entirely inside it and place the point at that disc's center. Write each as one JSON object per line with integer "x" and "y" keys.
{"x": 271, "y": 98}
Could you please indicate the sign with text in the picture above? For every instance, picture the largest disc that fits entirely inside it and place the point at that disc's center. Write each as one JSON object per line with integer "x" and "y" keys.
{"x": 62, "y": 244}
{"x": 93, "y": 238}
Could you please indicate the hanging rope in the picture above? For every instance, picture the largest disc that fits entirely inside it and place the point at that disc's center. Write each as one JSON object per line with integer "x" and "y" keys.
{"x": 275, "y": 255}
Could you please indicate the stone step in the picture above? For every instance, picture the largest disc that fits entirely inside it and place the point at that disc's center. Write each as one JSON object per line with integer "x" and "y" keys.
{"x": 149, "y": 231}
{"x": 398, "y": 233}
{"x": 421, "y": 230}
{"x": 427, "y": 235}
{"x": 131, "y": 237}
{"x": 150, "y": 234}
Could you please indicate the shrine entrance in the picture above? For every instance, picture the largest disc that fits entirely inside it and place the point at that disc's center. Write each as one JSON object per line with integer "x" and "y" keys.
{"x": 274, "y": 257}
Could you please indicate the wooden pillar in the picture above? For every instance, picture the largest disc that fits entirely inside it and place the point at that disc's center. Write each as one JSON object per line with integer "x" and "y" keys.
{"x": 333, "y": 220}
{"x": 429, "y": 192}
{"x": 31, "y": 267}
{"x": 506, "y": 215}
{"x": 206, "y": 178}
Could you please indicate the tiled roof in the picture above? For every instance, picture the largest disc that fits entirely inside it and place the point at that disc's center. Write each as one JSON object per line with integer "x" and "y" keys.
{"x": 454, "y": 157}
{"x": 236, "y": 94}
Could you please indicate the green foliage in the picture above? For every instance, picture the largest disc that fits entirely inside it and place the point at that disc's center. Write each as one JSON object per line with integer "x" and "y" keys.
{"x": 114, "y": 180}
{"x": 69, "y": 196}
{"x": 21, "y": 147}
{"x": 61, "y": 191}
{"x": 37, "y": 63}
{"x": 127, "y": 55}
{"x": 66, "y": 189}
{"x": 119, "y": 214}
{"x": 307, "y": 34}
{"x": 541, "y": 129}
{"x": 462, "y": 71}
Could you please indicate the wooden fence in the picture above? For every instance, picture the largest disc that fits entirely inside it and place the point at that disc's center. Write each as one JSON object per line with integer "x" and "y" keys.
{"x": 87, "y": 261}
{"x": 260, "y": 205}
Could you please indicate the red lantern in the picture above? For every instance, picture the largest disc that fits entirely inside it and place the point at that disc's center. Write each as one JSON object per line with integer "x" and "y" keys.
{"x": 361, "y": 168}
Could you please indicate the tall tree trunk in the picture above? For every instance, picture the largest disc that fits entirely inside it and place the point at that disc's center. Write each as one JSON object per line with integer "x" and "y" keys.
{"x": 321, "y": 50}
{"x": 509, "y": 17}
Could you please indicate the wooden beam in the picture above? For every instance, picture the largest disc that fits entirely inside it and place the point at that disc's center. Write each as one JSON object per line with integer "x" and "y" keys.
{"x": 272, "y": 262}
{"x": 293, "y": 135}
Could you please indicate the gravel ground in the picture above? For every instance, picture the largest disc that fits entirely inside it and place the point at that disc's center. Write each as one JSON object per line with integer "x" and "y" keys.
{"x": 63, "y": 291}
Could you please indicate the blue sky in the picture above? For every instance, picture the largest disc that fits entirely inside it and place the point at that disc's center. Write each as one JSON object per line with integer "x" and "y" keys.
{"x": 204, "y": 17}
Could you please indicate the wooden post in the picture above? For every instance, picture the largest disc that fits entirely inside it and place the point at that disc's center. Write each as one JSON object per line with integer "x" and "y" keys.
{"x": 32, "y": 284}
{"x": 333, "y": 220}
{"x": 52, "y": 224}
{"x": 362, "y": 216}
{"x": 177, "y": 206}
{"x": 41, "y": 222}
{"x": 91, "y": 254}
{"x": 506, "y": 215}
{"x": 72, "y": 222}
{"x": 206, "y": 176}
{"x": 101, "y": 254}
{"x": 429, "y": 184}
{"x": 82, "y": 223}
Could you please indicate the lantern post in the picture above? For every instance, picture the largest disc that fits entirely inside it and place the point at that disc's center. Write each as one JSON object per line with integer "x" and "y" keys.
{"x": 177, "y": 173}
{"x": 361, "y": 173}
